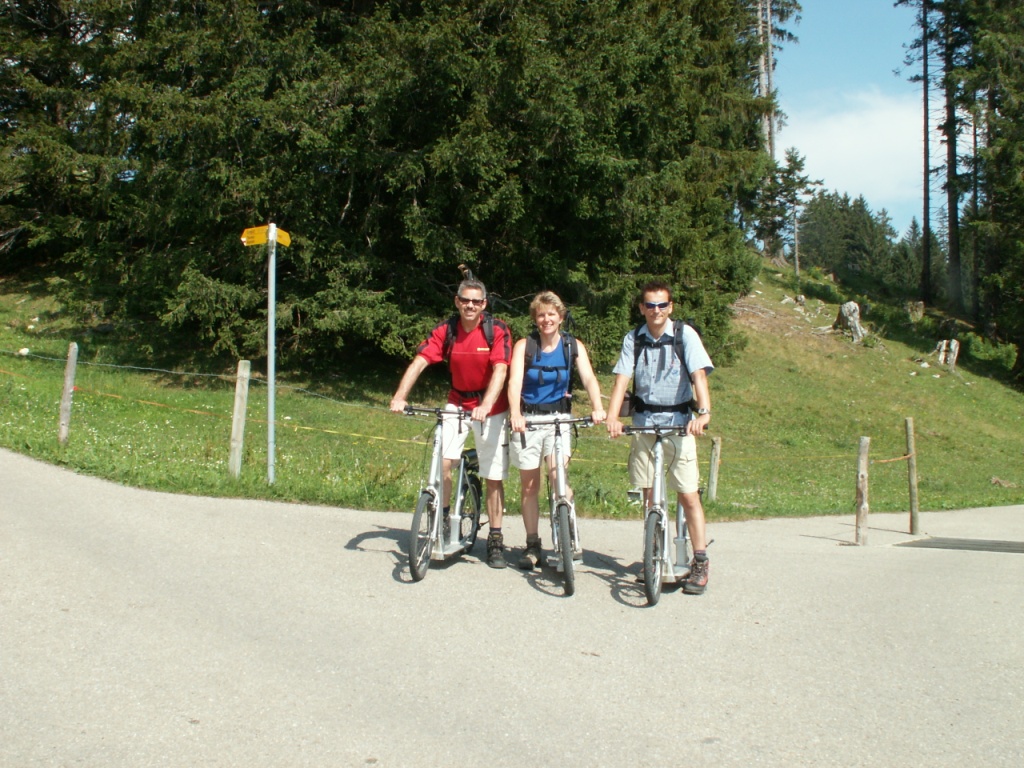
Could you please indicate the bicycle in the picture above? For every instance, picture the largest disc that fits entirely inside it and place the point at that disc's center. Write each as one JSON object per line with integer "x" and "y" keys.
{"x": 432, "y": 537}
{"x": 658, "y": 564}
{"x": 565, "y": 535}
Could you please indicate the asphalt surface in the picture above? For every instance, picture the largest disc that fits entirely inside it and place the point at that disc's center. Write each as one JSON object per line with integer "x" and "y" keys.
{"x": 147, "y": 629}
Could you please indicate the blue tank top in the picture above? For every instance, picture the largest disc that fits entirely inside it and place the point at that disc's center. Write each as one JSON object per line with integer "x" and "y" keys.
{"x": 543, "y": 387}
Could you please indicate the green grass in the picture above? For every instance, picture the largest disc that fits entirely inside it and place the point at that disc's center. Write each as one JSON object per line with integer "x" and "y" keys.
{"x": 790, "y": 413}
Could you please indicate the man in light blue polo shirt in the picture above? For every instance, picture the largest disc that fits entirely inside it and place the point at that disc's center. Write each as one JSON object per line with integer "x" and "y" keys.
{"x": 668, "y": 392}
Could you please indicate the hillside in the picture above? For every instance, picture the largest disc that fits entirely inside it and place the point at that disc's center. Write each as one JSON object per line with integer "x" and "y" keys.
{"x": 794, "y": 406}
{"x": 790, "y": 412}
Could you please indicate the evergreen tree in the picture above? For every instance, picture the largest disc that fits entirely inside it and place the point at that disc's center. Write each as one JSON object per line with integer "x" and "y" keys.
{"x": 845, "y": 238}
{"x": 576, "y": 146}
{"x": 781, "y": 196}
{"x": 996, "y": 74}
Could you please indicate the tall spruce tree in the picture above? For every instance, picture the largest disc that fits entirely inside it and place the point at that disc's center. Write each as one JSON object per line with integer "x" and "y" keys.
{"x": 781, "y": 196}
{"x": 576, "y": 146}
{"x": 996, "y": 74}
{"x": 844, "y": 237}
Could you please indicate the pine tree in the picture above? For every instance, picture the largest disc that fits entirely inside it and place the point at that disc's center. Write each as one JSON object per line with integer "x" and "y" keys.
{"x": 996, "y": 74}
{"x": 576, "y": 146}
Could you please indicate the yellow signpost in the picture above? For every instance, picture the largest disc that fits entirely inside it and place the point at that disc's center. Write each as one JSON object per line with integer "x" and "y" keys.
{"x": 255, "y": 236}
{"x": 259, "y": 235}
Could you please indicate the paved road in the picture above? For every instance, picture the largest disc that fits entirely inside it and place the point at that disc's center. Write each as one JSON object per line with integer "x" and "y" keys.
{"x": 145, "y": 629}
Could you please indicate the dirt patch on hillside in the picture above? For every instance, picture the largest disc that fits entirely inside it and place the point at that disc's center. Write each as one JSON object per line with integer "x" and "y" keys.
{"x": 784, "y": 318}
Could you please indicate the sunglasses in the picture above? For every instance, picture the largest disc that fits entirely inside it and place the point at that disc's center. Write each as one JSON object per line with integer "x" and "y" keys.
{"x": 474, "y": 302}
{"x": 657, "y": 304}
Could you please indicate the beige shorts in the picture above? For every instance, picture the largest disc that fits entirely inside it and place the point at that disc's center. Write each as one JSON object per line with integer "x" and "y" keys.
{"x": 489, "y": 436}
{"x": 540, "y": 443}
{"x": 682, "y": 474}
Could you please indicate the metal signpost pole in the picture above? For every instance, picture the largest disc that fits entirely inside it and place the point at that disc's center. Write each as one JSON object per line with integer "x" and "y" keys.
{"x": 271, "y": 344}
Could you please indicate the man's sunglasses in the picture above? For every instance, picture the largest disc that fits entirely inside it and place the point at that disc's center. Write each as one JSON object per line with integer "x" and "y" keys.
{"x": 474, "y": 302}
{"x": 657, "y": 304}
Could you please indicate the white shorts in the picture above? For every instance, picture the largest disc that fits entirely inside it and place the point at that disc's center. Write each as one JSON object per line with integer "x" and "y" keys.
{"x": 682, "y": 474}
{"x": 540, "y": 443}
{"x": 490, "y": 439}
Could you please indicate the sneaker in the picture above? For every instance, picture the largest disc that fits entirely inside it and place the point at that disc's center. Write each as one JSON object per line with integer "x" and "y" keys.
{"x": 495, "y": 555}
{"x": 446, "y": 525}
{"x": 697, "y": 581}
{"x": 533, "y": 555}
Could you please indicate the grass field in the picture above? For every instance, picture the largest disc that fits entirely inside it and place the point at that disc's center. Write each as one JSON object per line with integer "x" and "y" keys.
{"x": 790, "y": 413}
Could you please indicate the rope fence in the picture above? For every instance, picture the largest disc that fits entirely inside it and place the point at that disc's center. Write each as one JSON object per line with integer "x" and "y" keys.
{"x": 239, "y": 419}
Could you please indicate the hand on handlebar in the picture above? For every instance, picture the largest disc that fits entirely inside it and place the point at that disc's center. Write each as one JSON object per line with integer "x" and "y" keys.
{"x": 614, "y": 426}
{"x": 697, "y": 426}
{"x": 398, "y": 405}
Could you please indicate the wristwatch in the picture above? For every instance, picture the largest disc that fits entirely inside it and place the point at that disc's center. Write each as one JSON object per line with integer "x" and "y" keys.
{"x": 703, "y": 411}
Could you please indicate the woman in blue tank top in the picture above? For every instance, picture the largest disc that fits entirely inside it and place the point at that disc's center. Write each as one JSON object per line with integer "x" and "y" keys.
{"x": 546, "y": 380}
{"x": 538, "y": 385}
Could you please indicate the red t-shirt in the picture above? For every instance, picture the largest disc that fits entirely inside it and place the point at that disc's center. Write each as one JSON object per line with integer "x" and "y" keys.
{"x": 471, "y": 361}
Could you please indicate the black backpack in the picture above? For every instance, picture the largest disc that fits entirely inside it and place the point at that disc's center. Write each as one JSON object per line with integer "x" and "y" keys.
{"x": 570, "y": 349}
{"x": 640, "y": 343}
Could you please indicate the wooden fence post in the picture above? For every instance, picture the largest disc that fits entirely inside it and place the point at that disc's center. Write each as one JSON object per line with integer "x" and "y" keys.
{"x": 862, "y": 492}
{"x": 716, "y": 459}
{"x": 238, "y": 417}
{"x": 69, "y": 390}
{"x": 912, "y": 477}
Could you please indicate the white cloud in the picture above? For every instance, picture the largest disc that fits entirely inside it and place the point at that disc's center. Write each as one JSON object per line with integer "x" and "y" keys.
{"x": 862, "y": 143}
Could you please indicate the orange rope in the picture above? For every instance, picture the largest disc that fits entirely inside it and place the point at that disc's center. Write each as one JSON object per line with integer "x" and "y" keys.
{"x": 888, "y": 461}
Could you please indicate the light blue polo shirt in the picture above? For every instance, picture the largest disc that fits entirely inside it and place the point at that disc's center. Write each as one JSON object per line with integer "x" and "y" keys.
{"x": 660, "y": 378}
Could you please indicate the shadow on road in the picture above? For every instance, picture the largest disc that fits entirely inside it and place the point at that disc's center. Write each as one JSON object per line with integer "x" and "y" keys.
{"x": 396, "y": 536}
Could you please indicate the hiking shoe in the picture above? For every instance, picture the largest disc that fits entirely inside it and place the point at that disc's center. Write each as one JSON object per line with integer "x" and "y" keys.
{"x": 697, "y": 581}
{"x": 495, "y": 547}
{"x": 533, "y": 555}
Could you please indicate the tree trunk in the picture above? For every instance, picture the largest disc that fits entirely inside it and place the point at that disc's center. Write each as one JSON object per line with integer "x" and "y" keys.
{"x": 955, "y": 280}
{"x": 796, "y": 244}
{"x": 975, "y": 191}
{"x": 762, "y": 72}
{"x": 926, "y": 239}
{"x": 770, "y": 55}
{"x": 849, "y": 319}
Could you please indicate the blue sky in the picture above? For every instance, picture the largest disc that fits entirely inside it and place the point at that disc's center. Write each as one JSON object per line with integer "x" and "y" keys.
{"x": 857, "y": 124}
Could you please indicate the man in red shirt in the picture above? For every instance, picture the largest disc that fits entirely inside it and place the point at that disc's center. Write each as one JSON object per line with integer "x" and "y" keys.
{"x": 478, "y": 369}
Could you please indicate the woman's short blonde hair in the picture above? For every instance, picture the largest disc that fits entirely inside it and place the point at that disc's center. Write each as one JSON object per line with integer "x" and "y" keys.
{"x": 547, "y": 299}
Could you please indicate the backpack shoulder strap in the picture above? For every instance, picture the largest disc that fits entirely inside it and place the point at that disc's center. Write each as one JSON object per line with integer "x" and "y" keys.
{"x": 450, "y": 334}
{"x": 570, "y": 350}
{"x": 488, "y": 326}
{"x": 637, "y": 345}
{"x": 532, "y": 354}
{"x": 677, "y": 339}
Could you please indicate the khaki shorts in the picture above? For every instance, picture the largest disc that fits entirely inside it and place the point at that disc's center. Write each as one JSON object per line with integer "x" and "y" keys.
{"x": 490, "y": 439}
{"x": 540, "y": 443}
{"x": 682, "y": 474}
